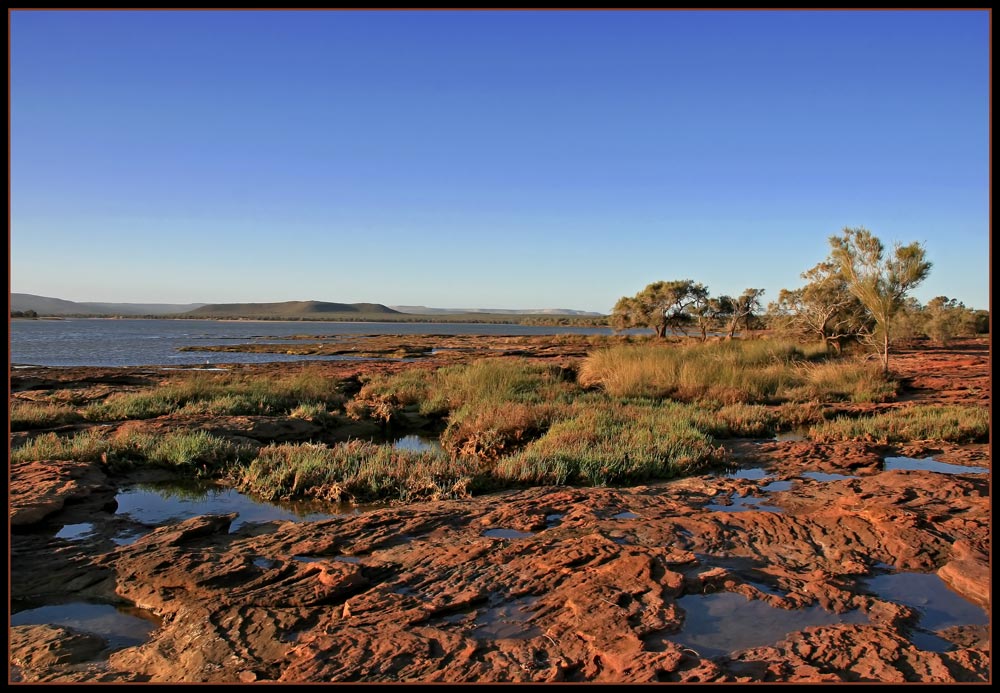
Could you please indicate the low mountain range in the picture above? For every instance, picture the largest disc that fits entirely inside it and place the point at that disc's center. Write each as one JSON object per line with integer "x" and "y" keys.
{"x": 44, "y": 305}
{"x": 288, "y": 309}
{"x": 424, "y": 310}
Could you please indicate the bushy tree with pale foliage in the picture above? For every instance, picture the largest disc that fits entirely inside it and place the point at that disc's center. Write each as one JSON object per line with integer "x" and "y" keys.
{"x": 881, "y": 282}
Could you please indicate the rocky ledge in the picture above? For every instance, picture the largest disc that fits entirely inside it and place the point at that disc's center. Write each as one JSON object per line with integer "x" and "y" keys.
{"x": 550, "y": 584}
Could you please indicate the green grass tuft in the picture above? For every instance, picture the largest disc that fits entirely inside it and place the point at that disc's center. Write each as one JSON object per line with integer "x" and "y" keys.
{"x": 955, "y": 424}
{"x": 25, "y": 416}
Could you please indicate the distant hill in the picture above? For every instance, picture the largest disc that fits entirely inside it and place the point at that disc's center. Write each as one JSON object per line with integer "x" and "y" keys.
{"x": 293, "y": 310}
{"x": 44, "y": 305}
{"x": 424, "y": 310}
{"x": 288, "y": 309}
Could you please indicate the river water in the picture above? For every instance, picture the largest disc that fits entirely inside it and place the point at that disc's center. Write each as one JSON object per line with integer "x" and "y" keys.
{"x": 110, "y": 342}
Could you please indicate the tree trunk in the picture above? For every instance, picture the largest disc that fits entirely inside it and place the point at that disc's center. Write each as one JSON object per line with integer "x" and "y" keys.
{"x": 885, "y": 351}
{"x": 661, "y": 331}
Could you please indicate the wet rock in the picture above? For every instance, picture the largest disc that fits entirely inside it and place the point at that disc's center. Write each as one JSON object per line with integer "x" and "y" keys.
{"x": 39, "y": 489}
{"x": 43, "y": 646}
{"x": 593, "y": 597}
{"x": 968, "y": 573}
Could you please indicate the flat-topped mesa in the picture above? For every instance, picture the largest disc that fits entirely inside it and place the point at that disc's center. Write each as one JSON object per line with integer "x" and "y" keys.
{"x": 288, "y": 309}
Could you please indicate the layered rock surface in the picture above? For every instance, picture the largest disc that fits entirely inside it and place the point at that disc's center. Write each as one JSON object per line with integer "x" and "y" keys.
{"x": 543, "y": 584}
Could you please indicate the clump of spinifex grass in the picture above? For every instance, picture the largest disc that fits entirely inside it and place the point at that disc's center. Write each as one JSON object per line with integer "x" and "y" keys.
{"x": 497, "y": 381}
{"x": 195, "y": 451}
{"x": 359, "y": 471}
{"x": 220, "y": 394}
{"x": 466, "y": 391}
{"x": 498, "y": 405}
{"x": 736, "y": 420}
{"x": 489, "y": 432}
{"x": 952, "y": 423}
{"x": 26, "y": 416}
{"x": 382, "y": 397}
{"x": 86, "y": 446}
{"x": 842, "y": 380}
{"x": 731, "y": 372}
{"x": 612, "y": 444}
{"x": 313, "y": 411}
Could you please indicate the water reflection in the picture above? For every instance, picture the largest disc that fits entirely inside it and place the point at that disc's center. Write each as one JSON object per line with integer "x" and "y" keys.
{"x": 724, "y": 622}
{"x": 929, "y": 464}
{"x": 121, "y": 626}
{"x": 161, "y": 504}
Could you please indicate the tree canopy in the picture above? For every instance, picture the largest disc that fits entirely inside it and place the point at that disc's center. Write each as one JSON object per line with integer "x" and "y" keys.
{"x": 879, "y": 282}
{"x": 675, "y": 306}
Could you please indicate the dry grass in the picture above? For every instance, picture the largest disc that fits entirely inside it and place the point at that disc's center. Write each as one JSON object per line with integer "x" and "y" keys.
{"x": 733, "y": 372}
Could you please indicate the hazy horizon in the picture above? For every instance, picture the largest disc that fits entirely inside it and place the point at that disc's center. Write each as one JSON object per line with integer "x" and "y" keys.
{"x": 514, "y": 160}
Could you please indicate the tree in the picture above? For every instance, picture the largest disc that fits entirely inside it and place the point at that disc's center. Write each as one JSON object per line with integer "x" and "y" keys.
{"x": 909, "y": 321}
{"x": 946, "y": 318}
{"x": 661, "y": 306}
{"x": 708, "y": 311}
{"x": 743, "y": 309}
{"x": 824, "y": 308}
{"x": 880, "y": 283}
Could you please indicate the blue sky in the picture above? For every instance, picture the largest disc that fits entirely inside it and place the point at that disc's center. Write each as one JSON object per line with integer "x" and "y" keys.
{"x": 488, "y": 159}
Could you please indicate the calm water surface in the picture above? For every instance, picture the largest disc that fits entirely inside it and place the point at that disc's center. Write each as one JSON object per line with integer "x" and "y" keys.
{"x": 105, "y": 342}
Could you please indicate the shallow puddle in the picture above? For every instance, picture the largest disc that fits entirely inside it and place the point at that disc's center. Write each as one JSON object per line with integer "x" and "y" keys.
{"x": 929, "y": 464}
{"x": 163, "y": 504}
{"x": 777, "y": 486}
{"x": 627, "y": 515}
{"x": 507, "y": 534}
{"x": 120, "y": 626}
{"x": 930, "y": 642}
{"x": 743, "y": 504}
{"x": 823, "y": 476}
{"x": 553, "y": 520}
{"x": 794, "y": 435}
{"x": 77, "y": 531}
{"x": 418, "y": 443}
{"x": 752, "y": 473}
{"x": 724, "y": 622}
{"x": 746, "y": 568}
{"x": 506, "y": 621}
{"x": 938, "y": 605}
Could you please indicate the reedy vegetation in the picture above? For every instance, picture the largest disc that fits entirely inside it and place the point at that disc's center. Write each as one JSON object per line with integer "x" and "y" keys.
{"x": 197, "y": 394}
{"x": 195, "y": 452}
{"x": 949, "y": 423}
{"x": 629, "y": 413}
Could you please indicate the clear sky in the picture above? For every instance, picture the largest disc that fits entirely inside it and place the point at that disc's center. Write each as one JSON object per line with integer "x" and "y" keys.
{"x": 488, "y": 159}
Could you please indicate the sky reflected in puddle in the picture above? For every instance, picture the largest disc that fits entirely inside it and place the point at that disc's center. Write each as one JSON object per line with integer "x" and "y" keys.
{"x": 76, "y": 531}
{"x": 742, "y": 504}
{"x": 938, "y": 605}
{"x": 163, "y": 504}
{"x": 120, "y": 626}
{"x": 929, "y": 464}
{"x": 418, "y": 443}
{"x": 823, "y": 476}
{"x": 724, "y": 622}
{"x": 500, "y": 533}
